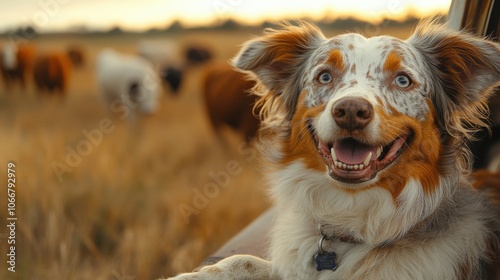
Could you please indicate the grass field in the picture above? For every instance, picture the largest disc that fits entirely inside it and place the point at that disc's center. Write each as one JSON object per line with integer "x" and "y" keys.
{"x": 113, "y": 211}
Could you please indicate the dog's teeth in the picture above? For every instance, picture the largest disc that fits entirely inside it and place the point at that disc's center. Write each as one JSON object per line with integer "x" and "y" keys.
{"x": 356, "y": 167}
{"x": 344, "y": 165}
{"x": 367, "y": 159}
{"x": 361, "y": 167}
{"x": 334, "y": 156}
{"x": 379, "y": 151}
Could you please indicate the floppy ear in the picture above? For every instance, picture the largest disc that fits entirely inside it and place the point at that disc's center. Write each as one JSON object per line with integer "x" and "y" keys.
{"x": 277, "y": 61}
{"x": 467, "y": 69}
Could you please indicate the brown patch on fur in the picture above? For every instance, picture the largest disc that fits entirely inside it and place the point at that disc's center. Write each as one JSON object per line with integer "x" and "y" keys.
{"x": 419, "y": 161}
{"x": 457, "y": 60}
{"x": 284, "y": 47}
{"x": 353, "y": 68}
{"x": 488, "y": 183}
{"x": 392, "y": 62}
{"x": 249, "y": 267}
{"x": 275, "y": 58}
{"x": 369, "y": 76}
{"x": 336, "y": 60}
{"x": 299, "y": 145}
{"x": 466, "y": 271}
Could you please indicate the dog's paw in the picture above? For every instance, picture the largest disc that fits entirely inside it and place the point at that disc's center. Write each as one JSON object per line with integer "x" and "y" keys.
{"x": 206, "y": 273}
{"x": 237, "y": 267}
{"x": 187, "y": 276}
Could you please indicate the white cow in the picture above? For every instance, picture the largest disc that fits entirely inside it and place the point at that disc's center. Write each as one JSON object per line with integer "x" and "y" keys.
{"x": 9, "y": 57}
{"x": 128, "y": 83}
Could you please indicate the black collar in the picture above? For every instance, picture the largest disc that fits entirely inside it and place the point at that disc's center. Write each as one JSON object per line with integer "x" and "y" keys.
{"x": 341, "y": 236}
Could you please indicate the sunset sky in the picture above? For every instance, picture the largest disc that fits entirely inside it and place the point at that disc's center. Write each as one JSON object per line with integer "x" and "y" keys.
{"x": 49, "y": 15}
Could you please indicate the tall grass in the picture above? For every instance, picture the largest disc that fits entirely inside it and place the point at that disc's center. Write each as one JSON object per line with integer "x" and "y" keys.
{"x": 117, "y": 211}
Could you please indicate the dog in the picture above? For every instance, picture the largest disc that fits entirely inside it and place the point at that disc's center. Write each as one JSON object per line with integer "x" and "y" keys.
{"x": 369, "y": 171}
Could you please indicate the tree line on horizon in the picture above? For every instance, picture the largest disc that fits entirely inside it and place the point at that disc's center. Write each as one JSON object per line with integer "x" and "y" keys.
{"x": 229, "y": 24}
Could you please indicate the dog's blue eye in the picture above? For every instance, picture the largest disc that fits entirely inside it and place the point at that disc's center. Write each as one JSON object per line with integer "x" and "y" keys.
{"x": 402, "y": 81}
{"x": 325, "y": 78}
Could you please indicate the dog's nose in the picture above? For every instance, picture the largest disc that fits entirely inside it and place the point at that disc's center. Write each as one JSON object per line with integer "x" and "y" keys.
{"x": 352, "y": 113}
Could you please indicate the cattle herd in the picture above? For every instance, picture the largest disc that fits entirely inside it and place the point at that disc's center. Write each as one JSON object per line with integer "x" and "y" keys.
{"x": 135, "y": 80}
{"x": 50, "y": 71}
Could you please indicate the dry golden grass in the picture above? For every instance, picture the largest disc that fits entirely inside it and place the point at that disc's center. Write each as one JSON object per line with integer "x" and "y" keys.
{"x": 116, "y": 214}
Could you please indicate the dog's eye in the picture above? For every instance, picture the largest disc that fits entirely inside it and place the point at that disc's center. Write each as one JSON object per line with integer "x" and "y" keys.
{"x": 325, "y": 78}
{"x": 402, "y": 81}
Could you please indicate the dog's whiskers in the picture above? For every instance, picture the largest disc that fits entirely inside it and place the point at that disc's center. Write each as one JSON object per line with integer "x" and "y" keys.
{"x": 303, "y": 129}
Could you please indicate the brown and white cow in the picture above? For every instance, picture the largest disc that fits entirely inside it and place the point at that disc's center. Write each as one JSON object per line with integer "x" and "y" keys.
{"x": 16, "y": 63}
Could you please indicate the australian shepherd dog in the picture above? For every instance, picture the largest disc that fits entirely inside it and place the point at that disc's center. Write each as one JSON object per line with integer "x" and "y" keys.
{"x": 370, "y": 173}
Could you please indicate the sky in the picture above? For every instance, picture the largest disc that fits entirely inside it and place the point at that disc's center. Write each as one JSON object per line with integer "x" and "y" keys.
{"x": 53, "y": 15}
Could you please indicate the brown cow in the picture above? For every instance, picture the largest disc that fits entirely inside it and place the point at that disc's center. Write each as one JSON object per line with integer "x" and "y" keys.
{"x": 228, "y": 101}
{"x": 51, "y": 72}
{"x": 77, "y": 55}
{"x": 16, "y": 63}
{"x": 196, "y": 55}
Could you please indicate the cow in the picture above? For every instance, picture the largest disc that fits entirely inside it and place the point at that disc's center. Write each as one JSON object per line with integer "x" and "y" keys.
{"x": 227, "y": 100}
{"x": 52, "y": 73}
{"x": 128, "y": 83}
{"x": 76, "y": 55}
{"x": 16, "y": 63}
{"x": 196, "y": 55}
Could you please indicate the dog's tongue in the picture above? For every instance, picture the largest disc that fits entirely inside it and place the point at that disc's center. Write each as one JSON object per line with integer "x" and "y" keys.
{"x": 352, "y": 152}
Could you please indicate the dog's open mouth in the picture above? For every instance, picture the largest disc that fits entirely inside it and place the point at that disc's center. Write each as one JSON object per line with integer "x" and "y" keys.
{"x": 351, "y": 161}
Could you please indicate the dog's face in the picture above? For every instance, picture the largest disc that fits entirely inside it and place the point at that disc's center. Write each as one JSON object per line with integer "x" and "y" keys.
{"x": 374, "y": 111}
{"x": 372, "y": 94}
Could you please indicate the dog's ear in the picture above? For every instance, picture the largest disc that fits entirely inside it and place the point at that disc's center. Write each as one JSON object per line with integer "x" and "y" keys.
{"x": 467, "y": 71}
{"x": 277, "y": 60}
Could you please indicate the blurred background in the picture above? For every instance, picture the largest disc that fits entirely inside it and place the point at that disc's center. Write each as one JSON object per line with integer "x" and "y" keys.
{"x": 106, "y": 189}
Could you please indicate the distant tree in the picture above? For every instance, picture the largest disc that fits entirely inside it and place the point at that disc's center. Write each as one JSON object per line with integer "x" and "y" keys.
{"x": 79, "y": 28}
{"x": 22, "y": 34}
{"x": 230, "y": 24}
{"x": 267, "y": 24}
{"x": 176, "y": 26}
{"x": 115, "y": 30}
{"x": 348, "y": 23}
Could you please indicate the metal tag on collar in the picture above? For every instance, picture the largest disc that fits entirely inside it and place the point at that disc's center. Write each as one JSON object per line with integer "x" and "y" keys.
{"x": 325, "y": 260}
